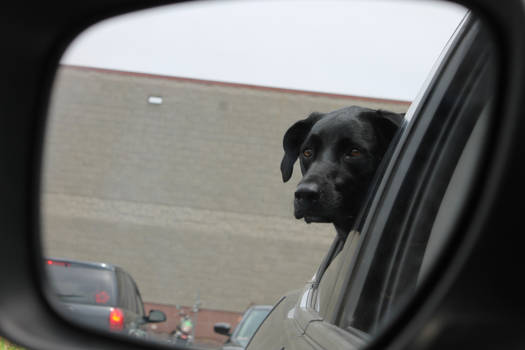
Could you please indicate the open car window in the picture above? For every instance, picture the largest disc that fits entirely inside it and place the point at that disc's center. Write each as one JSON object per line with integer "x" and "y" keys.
{"x": 367, "y": 280}
{"x": 425, "y": 198}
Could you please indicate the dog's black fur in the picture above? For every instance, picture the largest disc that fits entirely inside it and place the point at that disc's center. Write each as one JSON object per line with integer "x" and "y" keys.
{"x": 339, "y": 153}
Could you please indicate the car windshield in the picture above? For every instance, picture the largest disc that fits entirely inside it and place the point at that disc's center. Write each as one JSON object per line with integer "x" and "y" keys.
{"x": 81, "y": 284}
{"x": 249, "y": 325}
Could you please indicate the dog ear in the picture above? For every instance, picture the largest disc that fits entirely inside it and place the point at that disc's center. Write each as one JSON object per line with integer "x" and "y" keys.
{"x": 387, "y": 123}
{"x": 293, "y": 138}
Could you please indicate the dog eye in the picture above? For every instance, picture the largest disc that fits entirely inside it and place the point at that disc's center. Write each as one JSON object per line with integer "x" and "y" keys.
{"x": 308, "y": 153}
{"x": 352, "y": 154}
{"x": 355, "y": 152}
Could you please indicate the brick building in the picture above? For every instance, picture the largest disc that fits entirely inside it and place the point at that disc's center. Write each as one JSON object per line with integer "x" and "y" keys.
{"x": 178, "y": 181}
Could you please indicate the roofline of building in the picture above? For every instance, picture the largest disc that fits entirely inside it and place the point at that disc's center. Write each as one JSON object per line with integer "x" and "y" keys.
{"x": 236, "y": 85}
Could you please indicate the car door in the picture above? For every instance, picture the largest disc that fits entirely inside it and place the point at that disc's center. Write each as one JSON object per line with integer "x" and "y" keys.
{"x": 365, "y": 282}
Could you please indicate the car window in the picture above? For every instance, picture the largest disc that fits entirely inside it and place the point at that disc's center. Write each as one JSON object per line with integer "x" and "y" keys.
{"x": 138, "y": 301}
{"x": 134, "y": 291}
{"x": 195, "y": 179}
{"x": 126, "y": 292}
{"x": 436, "y": 185}
{"x": 82, "y": 284}
{"x": 251, "y": 321}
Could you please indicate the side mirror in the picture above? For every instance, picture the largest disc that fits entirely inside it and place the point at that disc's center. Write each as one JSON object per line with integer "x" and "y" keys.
{"x": 222, "y": 328}
{"x": 156, "y": 316}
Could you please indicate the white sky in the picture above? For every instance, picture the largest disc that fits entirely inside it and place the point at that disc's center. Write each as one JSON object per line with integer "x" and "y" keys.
{"x": 366, "y": 48}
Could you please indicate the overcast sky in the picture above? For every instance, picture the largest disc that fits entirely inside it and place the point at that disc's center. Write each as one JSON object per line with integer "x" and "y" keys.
{"x": 366, "y": 48}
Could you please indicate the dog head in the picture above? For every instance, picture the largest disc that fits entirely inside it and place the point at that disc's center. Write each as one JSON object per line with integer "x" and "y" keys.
{"x": 339, "y": 153}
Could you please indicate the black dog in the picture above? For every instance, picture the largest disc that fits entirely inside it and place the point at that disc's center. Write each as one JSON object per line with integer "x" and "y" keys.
{"x": 339, "y": 153}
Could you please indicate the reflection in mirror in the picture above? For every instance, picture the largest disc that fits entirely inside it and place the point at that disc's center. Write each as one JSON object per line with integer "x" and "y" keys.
{"x": 163, "y": 206}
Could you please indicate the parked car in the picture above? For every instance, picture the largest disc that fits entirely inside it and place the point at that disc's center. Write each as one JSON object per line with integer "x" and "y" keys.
{"x": 250, "y": 321}
{"x": 100, "y": 295}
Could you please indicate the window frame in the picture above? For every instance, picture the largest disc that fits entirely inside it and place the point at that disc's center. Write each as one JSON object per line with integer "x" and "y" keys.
{"x": 450, "y": 76}
{"x": 440, "y": 175}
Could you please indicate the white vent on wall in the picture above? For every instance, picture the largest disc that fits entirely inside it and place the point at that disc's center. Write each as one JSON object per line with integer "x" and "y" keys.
{"x": 155, "y": 100}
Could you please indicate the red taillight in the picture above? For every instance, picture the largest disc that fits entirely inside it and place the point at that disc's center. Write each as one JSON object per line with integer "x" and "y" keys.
{"x": 59, "y": 263}
{"x": 116, "y": 319}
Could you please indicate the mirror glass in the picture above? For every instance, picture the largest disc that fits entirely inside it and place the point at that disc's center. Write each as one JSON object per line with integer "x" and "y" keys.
{"x": 162, "y": 184}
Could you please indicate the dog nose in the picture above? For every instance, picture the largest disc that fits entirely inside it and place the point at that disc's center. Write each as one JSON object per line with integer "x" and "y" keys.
{"x": 307, "y": 191}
